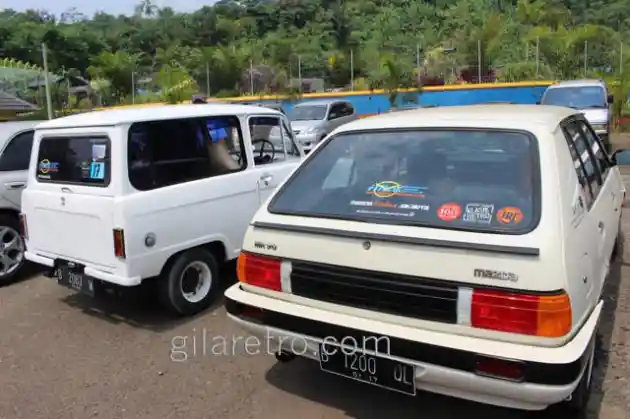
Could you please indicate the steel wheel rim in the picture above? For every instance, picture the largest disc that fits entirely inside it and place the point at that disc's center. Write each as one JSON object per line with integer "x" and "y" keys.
{"x": 195, "y": 290}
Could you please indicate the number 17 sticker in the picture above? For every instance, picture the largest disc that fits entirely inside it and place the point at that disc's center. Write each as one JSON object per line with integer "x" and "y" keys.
{"x": 97, "y": 170}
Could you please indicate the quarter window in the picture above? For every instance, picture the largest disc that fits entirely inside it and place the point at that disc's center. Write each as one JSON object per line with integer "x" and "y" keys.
{"x": 585, "y": 165}
{"x": 596, "y": 147}
{"x": 164, "y": 153}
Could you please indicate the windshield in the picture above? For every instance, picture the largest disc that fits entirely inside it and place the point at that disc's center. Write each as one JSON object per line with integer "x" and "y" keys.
{"x": 485, "y": 181}
{"x": 586, "y": 97}
{"x": 309, "y": 113}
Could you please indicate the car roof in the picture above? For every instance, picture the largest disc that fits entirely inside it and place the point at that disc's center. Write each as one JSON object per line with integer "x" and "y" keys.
{"x": 320, "y": 102}
{"x": 578, "y": 83}
{"x": 7, "y": 129}
{"x": 512, "y": 117}
{"x": 111, "y": 117}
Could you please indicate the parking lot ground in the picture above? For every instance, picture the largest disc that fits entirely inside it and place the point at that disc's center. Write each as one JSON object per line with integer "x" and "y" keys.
{"x": 65, "y": 356}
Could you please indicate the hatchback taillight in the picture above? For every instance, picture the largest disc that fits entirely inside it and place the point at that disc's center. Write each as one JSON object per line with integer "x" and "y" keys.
{"x": 260, "y": 271}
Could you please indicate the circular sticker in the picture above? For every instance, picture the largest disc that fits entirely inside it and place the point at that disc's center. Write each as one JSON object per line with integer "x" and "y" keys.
{"x": 510, "y": 215}
{"x": 449, "y": 212}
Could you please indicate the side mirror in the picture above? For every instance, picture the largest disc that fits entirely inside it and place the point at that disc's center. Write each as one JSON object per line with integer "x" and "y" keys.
{"x": 621, "y": 157}
{"x": 332, "y": 116}
{"x": 538, "y": 102}
{"x": 611, "y": 99}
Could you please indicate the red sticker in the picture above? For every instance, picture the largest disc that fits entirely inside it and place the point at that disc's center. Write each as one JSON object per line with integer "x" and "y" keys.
{"x": 449, "y": 211}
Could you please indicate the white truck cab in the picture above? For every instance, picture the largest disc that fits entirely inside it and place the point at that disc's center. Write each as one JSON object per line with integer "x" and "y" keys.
{"x": 459, "y": 250}
{"x": 166, "y": 193}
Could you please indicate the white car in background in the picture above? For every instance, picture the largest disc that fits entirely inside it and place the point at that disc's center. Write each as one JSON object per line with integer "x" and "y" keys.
{"x": 16, "y": 140}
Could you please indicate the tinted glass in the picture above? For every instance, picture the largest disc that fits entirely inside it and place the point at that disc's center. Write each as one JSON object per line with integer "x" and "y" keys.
{"x": 17, "y": 154}
{"x": 587, "y": 97}
{"x": 75, "y": 160}
{"x": 308, "y": 113}
{"x": 473, "y": 180}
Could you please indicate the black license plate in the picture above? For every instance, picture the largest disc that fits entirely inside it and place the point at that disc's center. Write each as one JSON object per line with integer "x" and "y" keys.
{"x": 77, "y": 281}
{"x": 371, "y": 369}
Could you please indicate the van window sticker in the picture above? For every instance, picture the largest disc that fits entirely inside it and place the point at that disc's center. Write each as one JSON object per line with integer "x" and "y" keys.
{"x": 478, "y": 213}
{"x": 97, "y": 170}
{"x": 46, "y": 166}
{"x": 510, "y": 215}
{"x": 99, "y": 151}
{"x": 450, "y": 211}
{"x": 390, "y": 189}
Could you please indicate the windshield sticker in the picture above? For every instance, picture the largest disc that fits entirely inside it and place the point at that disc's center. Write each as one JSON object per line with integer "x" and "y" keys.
{"x": 361, "y": 203}
{"x": 450, "y": 211}
{"x": 97, "y": 170}
{"x": 46, "y": 167}
{"x": 509, "y": 215}
{"x": 414, "y": 207}
{"x": 390, "y": 189}
{"x": 478, "y": 213}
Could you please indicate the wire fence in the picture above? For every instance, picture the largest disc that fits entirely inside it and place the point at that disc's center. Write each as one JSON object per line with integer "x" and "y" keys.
{"x": 352, "y": 71}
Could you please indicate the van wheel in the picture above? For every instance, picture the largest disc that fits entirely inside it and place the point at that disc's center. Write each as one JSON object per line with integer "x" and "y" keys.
{"x": 191, "y": 283}
{"x": 576, "y": 406}
{"x": 11, "y": 248}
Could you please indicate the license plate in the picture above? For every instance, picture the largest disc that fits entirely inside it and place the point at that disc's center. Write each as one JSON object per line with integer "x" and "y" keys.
{"x": 75, "y": 281}
{"x": 371, "y": 369}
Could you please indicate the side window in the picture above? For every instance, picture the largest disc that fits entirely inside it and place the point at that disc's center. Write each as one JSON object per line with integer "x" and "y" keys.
{"x": 582, "y": 162}
{"x": 17, "y": 153}
{"x": 336, "y": 111}
{"x": 170, "y": 152}
{"x": 349, "y": 109}
{"x": 596, "y": 147}
{"x": 270, "y": 140}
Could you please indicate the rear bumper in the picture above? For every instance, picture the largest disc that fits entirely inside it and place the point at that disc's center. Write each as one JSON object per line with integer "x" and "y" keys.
{"x": 89, "y": 271}
{"x": 551, "y": 373}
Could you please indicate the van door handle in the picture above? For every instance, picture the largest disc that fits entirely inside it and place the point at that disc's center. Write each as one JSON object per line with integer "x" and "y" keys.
{"x": 15, "y": 185}
{"x": 266, "y": 179}
{"x": 600, "y": 225}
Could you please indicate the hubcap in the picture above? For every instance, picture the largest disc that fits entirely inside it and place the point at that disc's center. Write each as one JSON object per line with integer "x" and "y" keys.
{"x": 11, "y": 250}
{"x": 196, "y": 281}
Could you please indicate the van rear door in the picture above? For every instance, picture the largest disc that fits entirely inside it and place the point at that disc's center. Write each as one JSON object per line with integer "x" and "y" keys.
{"x": 69, "y": 201}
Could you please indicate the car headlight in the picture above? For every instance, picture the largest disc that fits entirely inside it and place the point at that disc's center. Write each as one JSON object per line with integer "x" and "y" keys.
{"x": 599, "y": 127}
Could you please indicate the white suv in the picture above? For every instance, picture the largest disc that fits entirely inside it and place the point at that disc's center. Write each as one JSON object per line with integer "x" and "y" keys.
{"x": 16, "y": 140}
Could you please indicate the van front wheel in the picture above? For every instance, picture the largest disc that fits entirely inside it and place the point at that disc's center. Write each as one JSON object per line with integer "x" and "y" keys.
{"x": 191, "y": 283}
{"x": 11, "y": 248}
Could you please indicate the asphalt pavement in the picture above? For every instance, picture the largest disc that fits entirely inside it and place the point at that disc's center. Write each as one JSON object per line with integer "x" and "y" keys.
{"x": 66, "y": 356}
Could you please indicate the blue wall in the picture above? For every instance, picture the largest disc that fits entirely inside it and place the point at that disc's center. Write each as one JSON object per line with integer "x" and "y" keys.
{"x": 369, "y": 104}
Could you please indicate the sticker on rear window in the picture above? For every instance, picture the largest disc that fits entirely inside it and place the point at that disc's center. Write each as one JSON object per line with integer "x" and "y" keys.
{"x": 478, "y": 213}
{"x": 390, "y": 189}
{"x": 99, "y": 151}
{"x": 97, "y": 170}
{"x": 450, "y": 211}
{"x": 46, "y": 167}
{"x": 510, "y": 215}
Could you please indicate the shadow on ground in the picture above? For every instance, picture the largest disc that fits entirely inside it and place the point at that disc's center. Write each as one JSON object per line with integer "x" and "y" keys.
{"x": 29, "y": 271}
{"x": 138, "y": 306}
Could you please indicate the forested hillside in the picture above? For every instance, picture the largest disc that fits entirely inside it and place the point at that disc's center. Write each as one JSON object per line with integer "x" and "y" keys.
{"x": 213, "y": 47}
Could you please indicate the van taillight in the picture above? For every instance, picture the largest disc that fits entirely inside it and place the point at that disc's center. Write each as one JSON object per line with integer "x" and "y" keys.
{"x": 260, "y": 271}
{"x": 536, "y": 315}
{"x": 119, "y": 243}
{"x": 23, "y": 227}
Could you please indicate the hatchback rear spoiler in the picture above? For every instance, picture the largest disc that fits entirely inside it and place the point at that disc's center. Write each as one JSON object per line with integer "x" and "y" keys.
{"x": 513, "y": 250}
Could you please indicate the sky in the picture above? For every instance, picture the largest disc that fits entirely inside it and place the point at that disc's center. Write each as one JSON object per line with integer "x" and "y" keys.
{"x": 90, "y": 7}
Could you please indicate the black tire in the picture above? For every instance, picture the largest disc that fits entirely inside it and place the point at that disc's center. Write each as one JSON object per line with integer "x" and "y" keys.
{"x": 11, "y": 222}
{"x": 172, "y": 282}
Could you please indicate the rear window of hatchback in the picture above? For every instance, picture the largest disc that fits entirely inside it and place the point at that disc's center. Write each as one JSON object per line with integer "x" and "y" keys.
{"x": 461, "y": 179}
{"x": 74, "y": 160}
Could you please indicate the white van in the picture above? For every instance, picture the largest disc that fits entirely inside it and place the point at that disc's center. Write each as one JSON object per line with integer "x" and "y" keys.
{"x": 458, "y": 250}
{"x": 120, "y": 196}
